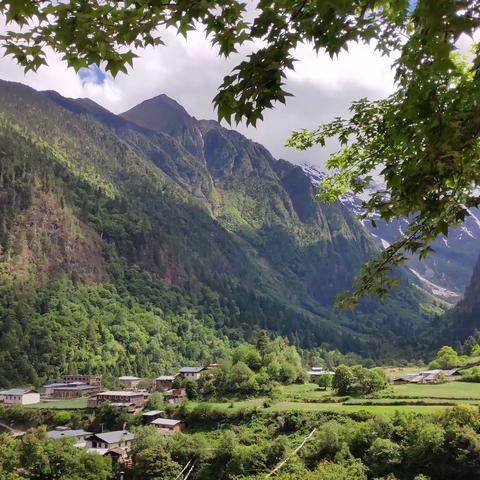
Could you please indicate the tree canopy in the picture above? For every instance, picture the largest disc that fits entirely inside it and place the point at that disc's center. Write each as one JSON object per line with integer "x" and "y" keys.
{"x": 423, "y": 140}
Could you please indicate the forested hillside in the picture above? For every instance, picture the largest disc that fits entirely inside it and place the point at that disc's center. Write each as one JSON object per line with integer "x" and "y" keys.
{"x": 139, "y": 241}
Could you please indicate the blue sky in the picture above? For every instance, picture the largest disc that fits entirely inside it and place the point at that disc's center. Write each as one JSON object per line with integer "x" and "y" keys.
{"x": 92, "y": 74}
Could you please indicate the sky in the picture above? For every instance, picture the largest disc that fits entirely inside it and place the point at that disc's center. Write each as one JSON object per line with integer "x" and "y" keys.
{"x": 190, "y": 71}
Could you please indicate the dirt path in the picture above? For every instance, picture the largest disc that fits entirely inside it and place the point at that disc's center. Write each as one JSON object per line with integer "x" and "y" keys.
{"x": 12, "y": 431}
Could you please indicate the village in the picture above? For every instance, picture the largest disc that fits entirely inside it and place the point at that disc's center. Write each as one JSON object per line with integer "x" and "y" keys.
{"x": 116, "y": 444}
{"x": 132, "y": 398}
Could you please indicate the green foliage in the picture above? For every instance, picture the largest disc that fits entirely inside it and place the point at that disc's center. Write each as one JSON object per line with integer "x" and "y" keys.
{"x": 343, "y": 380}
{"x": 446, "y": 357}
{"x": 471, "y": 375}
{"x": 154, "y": 463}
{"x": 324, "y": 381}
{"x": 36, "y": 457}
{"x": 252, "y": 370}
{"x": 358, "y": 380}
{"x": 404, "y": 445}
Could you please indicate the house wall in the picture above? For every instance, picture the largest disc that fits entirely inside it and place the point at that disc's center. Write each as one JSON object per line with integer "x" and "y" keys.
{"x": 26, "y": 399}
{"x": 193, "y": 376}
{"x": 99, "y": 444}
{"x": 163, "y": 384}
{"x": 90, "y": 379}
{"x": 137, "y": 399}
{"x": 130, "y": 383}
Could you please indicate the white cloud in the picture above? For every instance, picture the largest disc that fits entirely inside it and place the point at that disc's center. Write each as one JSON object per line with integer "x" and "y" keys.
{"x": 191, "y": 71}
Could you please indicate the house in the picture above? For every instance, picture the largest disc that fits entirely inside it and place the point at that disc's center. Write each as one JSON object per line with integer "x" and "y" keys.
{"x": 78, "y": 435}
{"x": 46, "y": 391}
{"x": 429, "y": 377}
{"x": 405, "y": 379}
{"x": 73, "y": 390}
{"x": 175, "y": 395}
{"x": 164, "y": 382}
{"x": 191, "y": 372}
{"x": 118, "y": 456}
{"x": 19, "y": 396}
{"x": 152, "y": 415}
{"x": 110, "y": 440}
{"x": 316, "y": 372}
{"x": 168, "y": 426}
{"x": 124, "y": 399}
{"x": 88, "y": 379}
{"x": 129, "y": 381}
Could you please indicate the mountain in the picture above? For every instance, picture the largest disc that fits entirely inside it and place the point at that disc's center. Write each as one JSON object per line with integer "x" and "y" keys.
{"x": 446, "y": 272}
{"x": 464, "y": 319}
{"x": 132, "y": 243}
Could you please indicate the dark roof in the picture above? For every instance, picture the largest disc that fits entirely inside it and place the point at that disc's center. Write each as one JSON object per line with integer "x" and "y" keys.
{"x": 75, "y": 387}
{"x": 63, "y": 384}
{"x": 115, "y": 437}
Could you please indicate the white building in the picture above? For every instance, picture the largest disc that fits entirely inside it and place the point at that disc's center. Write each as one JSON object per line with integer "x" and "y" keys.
{"x": 129, "y": 381}
{"x": 191, "y": 372}
{"x": 110, "y": 440}
{"x": 19, "y": 396}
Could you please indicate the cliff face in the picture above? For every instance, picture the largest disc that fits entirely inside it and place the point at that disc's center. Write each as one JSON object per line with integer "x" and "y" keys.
{"x": 183, "y": 216}
{"x": 464, "y": 319}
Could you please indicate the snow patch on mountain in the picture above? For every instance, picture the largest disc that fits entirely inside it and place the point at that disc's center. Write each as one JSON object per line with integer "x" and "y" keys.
{"x": 446, "y": 272}
{"x": 437, "y": 289}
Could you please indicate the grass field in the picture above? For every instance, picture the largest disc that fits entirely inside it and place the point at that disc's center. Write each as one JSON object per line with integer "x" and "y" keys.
{"x": 74, "y": 404}
{"x": 283, "y": 406}
{"x": 309, "y": 398}
{"x": 444, "y": 390}
{"x": 339, "y": 407}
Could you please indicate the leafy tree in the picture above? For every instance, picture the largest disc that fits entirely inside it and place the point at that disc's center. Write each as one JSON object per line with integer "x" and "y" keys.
{"x": 358, "y": 380}
{"x": 324, "y": 381}
{"x": 9, "y": 455}
{"x": 475, "y": 350}
{"x": 60, "y": 459}
{"x": 263, "y": 342}
{"x": 446, "y": 357}
{"x": 423, "y": 137}
{"x": 384, "y": 455}
{"x": 154, "y": 463}
{"x": 343, "y": 380}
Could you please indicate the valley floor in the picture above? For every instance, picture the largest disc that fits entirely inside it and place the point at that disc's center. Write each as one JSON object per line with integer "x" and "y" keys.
{"x": 409, "y": 397}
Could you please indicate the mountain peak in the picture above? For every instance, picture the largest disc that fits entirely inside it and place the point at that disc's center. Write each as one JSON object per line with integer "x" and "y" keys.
{"x": 160, "y": 114}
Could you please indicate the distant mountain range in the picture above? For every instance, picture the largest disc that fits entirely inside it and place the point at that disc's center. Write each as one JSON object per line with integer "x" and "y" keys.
{"x": 447, "y": 272}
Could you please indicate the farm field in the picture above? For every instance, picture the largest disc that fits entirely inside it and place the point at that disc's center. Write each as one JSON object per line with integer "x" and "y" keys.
{"x": 463, "y": 390}
{"x": 74, "y": 404}
{"x": 309, "y": 398}
{"x": 283, "y": 406}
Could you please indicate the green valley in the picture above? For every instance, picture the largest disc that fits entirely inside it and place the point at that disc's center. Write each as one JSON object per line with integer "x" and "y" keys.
{"x": 127, "y": 237}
